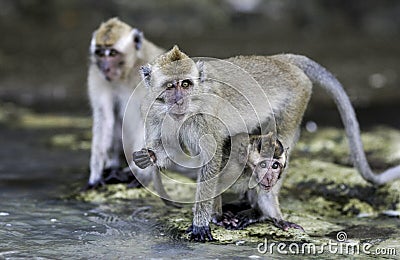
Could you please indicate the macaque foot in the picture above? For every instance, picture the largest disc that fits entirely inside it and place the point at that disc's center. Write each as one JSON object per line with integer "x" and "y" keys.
{"x": 235, "y": 222}
{"x": 94, "y": 186}
{"x": 227, "y": 220}
{"x": 144, "y": 158}
{"x": 114, "y": 176}
{"x": 285, "y": 225}
{"x": 120, "y": 175}
{"x": 200, "y": 233}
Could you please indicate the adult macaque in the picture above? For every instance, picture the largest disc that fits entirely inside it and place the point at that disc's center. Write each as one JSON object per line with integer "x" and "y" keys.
{"x": 196, "y": 107}
{"x": 116, "y": 53}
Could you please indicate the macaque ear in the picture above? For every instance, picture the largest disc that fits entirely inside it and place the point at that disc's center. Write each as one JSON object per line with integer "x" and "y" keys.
{"x": 93, "y": 43}
{"x": 200, "y": 67}
{"x": 279, "y": 150}
{"x": 285, "y": 156}
{"x": 137, "y": 38}
{"x": 256, "y": 145}
{"x": 243, "y": 154}
{"x": 268, "y": 145}
{"x": 145, "y": 71}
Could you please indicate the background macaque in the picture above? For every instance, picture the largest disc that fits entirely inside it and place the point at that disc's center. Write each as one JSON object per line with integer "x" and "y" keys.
{"x": 199, "y": 105}
{"x": 116, "y": 53}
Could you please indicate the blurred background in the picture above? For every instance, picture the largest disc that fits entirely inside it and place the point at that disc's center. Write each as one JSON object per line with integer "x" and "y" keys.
{"x": 44, "y": 45}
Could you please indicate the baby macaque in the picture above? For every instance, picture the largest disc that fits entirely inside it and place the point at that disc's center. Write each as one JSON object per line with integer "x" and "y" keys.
{"x": 260, "y": 175}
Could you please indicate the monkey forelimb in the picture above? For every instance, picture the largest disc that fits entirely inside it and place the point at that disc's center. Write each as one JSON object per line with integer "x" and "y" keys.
{"x": 144, "y": 158}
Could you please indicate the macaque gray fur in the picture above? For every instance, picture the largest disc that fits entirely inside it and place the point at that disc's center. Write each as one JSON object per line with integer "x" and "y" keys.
{"x": 117, "y": 51}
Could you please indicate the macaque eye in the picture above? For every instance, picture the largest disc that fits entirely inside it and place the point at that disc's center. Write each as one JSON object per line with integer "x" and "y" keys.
{"x": 186, "y": 83}
{"x": 99, "y": 52}
{"x": 263, "y": 165}
{"x": 169, "y": 85}
{"x": 113, "y": 52}
{"x": 276, "y": 165}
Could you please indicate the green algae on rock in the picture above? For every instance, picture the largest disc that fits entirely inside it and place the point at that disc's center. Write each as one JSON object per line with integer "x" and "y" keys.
{"x": 381, "y": 144}
{"x": 26, "y": 118}
{"x": 334, "y": 190}
{"x": 73, "y": 141}
{"x": 112, "y": 193}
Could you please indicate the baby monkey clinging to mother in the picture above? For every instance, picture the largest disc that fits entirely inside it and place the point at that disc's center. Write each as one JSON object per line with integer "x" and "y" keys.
{"x": 261, "y": 172}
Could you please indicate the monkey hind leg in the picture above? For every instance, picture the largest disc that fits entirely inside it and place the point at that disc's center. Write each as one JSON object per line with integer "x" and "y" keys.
{"x": 161, "y": 192}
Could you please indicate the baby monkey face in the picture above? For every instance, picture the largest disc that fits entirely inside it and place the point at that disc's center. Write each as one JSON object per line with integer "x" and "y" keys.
{"x": 266, "y": 168}
{"x": 267, "y": 172}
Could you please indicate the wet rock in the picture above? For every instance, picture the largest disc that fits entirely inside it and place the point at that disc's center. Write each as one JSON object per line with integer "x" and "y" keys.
{"x": 16, "y": 116}
{"x": 382, "y": 146}
{"x": 112, "y": 193}
{"x": 332, "y": 190}
{"x": 74, "y": 141}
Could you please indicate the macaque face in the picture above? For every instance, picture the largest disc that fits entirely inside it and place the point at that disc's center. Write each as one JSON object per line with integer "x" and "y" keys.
{"x": 110, "y": 62}
{"x": 268, "y": 172}
{"x": 172, "y": 79}
{"x": 176, "y": 97}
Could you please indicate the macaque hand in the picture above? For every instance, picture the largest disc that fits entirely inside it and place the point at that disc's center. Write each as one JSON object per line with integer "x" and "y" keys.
{"x": 144, "y": 158}
{"x": 200, "y": 233}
